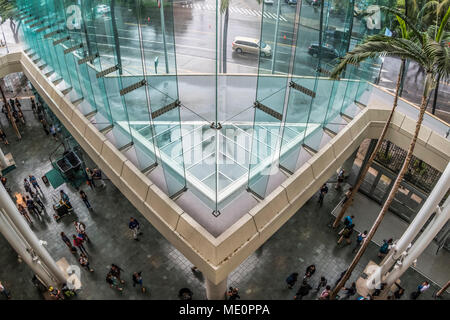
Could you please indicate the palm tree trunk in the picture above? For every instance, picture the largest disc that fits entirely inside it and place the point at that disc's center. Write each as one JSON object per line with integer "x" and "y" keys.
{"x": 10, "y": 116}
{"x": 375, "y": 151}
{"x": 224, "y": 42}
{"x": 393, "y": 192}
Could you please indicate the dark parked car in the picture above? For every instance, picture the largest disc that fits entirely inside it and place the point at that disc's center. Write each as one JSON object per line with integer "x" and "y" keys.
{"x": 327, "y": 51}
{"x": 291, "y": 1}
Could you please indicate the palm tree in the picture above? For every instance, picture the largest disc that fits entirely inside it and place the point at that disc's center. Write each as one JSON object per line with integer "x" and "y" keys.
{"x": 224, "y": 5}
{"x": 429, "y": 51}
{"x": 404, "y": 34}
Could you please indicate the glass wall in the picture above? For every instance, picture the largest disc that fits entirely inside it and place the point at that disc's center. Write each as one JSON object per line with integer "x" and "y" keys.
{"x": 249, "y": 93}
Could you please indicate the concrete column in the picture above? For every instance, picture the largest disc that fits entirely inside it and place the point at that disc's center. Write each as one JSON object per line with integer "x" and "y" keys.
{"x": 12, "y": 212}
{"x": 216, "y": 291}
{"x": 439, "y": 220}
{"x": 3, "y": 161}
{"x": 419, "y": 221}
{"x": 20, "y": 247}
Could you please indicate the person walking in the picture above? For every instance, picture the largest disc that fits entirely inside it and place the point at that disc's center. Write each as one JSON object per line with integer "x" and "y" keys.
{"x": 21, "y": 116}
{"x": 24, "y": 213}
{"x": 325, "y": 295}
{"x": 53, "y": 132}
{"x": 292, "y": 279}
{"x": 3, "y": 137}
{"x": 397, "y": 295}
{"x": 90, "y": 178}
{"x": 322, "y": 283}
{"x": 348, "y": 292}
{"x": 233, "y": 293}
{"x": 340, "y": 178}
{"x": 115, "y": 271}
{"x": 137, "y": 280}
{"x": 34, "y": 183}
{"x": 84, "y": 197}
{"x": 32, "y": 208}
{"x": 97, "y": 175}
{"x": 113, "y": 282}
{"x": 84, "y": 262}
{"x": 303, "y": 290}
{"x": 185, "y": 294}
{"x": 66, "y": 240}
{"x": 359, "y": 240}
{"x": 27, "y": 186}
{"x": 385, "y": 247}
{"x": 346, "y": 234}
{"x": 37, "y": 201}
{"x": 348, "y": 220}
{"x": 322, "y": 193}
{"x": 340, "y": 277}
{"x": 78, "y": 243}
{"x": 420, "y": 289}
{"x": 135, "y": 228}
{"x": 309, "y": 271}
{"x": 4, "y": 291}
{"x": 80, "y": 227}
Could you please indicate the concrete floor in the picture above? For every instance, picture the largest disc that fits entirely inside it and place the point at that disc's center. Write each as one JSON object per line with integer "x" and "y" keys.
{"x": 305, "y": 239}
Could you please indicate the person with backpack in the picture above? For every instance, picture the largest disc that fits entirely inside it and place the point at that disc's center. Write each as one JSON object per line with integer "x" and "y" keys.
{"x": 4, "y": 291}
{"x": 34, "y": 183}
{"x": 134, "y": 226}
{"x": 346, "y": 234}
{"x": 347, "y": 196}
{"x": 80, "y": 227}
{"x": 78, "y": 243}
{"x": 348, "y": 220}
{"x": 359, "y": 240}
{"x": 303, "y": 290}
{"x": 349, "y": 291}
{"x": 292, "y": 279}
{"x": 385, "y": 247}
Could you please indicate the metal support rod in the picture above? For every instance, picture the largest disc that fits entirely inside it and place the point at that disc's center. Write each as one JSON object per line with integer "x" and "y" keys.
{"x": 163, "y": 28}
{"x": 275, "y": 37}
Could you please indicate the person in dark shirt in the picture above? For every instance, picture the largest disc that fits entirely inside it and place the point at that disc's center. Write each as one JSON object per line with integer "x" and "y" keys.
{"x": 303, "y": 290}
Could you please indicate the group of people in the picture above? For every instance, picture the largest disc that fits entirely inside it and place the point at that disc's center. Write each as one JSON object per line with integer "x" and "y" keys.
{"x": 16, "y": 111}
{"x": 32, "y": 201}
{"x": 113, "y": 278}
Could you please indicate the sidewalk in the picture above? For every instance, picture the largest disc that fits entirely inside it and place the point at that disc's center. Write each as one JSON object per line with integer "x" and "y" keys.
{"x": 434, "y": 267}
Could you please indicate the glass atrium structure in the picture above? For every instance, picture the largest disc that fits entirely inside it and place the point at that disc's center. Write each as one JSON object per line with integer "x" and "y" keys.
{"x": 225, "y": 139}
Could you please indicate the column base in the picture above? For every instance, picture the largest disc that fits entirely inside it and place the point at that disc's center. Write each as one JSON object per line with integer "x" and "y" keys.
{"x": 11, "y": 164}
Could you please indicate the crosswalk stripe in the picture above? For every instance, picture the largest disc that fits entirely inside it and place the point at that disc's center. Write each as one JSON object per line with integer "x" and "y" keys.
{"x": 257, "y": 13}
{"x": 272, "y": 15}
{"x": 232, "y": 9}
{"x": 240, "y": 11}
{"x": 282, "y": 18}
{"x": 265, "y": 15}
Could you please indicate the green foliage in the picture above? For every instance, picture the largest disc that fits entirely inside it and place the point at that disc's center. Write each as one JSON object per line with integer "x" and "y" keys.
{"x": 7, "y": 9}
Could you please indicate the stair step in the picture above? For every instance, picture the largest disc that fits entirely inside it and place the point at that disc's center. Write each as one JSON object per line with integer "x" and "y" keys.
{"x": 107, "y": 129}
{"x": 43, "y": 66}
{"x": 91, "y": 114}
{"x": 126, "y": 147}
